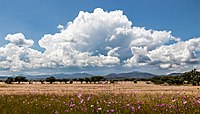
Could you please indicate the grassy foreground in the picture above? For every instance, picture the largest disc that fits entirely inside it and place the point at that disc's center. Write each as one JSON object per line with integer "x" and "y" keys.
{"x": 100, "y": 103}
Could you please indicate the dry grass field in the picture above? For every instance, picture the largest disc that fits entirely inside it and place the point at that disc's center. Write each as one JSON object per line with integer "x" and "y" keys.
{"x": 124, "y": 87}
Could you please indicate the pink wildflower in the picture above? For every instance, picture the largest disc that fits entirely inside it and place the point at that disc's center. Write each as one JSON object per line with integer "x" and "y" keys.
{"x": 79, "y": 96}
{"x": 174, "y": 100}
{"x": 88, "y": 98}
{"x": 112, "y": 110}
{"x": 185, "y": 102}
{"x": 127, "y": 104}
{"x": 71, "y": 105}
{"x": 99, "y": 108}
{"x": 81, "y": 101}
{"x": 198, "y": 101}
{"x": 161, "y": 105}
{"x": 133, "y": 108}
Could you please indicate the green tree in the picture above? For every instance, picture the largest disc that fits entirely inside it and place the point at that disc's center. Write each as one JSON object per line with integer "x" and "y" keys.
{"x": 81, "y": 80}
{"x": 51, "y": 79}
{"x": 75, "y": 80}
{"x": 65, "y": 80}
{"x": 87, "y": 80}
{"x": 20, "y": 79}
{"x": 97, "y": 79}
{"x": 9, "y": 80}
{"x": 42, "y": 81}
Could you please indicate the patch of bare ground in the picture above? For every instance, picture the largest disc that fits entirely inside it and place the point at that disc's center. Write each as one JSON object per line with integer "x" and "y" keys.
{"x": 118, "y": 88}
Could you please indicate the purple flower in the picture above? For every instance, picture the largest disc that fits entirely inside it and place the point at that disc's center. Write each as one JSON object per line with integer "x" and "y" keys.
{"x": 154, "y": 109}
{"x": 174, "y": 100}
{"x": 184, "y": 97}
{"x": 88, "y": 98}
{"x": 170, "y": 106}
{"x": 133, "y": 108}
{"x": 81, "y": 101}
{"x": 79, "y": 95}
{"x": 85, "y": 109}
{"x": 112, "y": 110}
{"x": 198, "y": 101}
{"x": 71, "y": 105}
{"x": 161, "y": 105}
{"x": 66, "y": 110}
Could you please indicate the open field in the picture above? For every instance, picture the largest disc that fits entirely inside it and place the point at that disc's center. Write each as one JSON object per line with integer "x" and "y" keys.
{"x": 76, "y": 98}
{"x": 124, "y": 87}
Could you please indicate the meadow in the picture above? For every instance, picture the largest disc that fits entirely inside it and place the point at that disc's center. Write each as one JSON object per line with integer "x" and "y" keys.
{"x": 120, "y": 98}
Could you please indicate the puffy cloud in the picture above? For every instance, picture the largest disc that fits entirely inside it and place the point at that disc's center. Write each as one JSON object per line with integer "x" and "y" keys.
{"x": 17, "y": 55}
{"x": 19, "y": 39}
{"x": 176, "y": 55}
{"x": 171, "y": 56}
{"x": 139, "y": 57}
{"x": 61, "y": 27}
{"x": 66, "y": 56}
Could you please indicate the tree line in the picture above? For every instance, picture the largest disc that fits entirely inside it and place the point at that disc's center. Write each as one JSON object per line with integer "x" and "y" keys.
{"x": 51, "y": 80}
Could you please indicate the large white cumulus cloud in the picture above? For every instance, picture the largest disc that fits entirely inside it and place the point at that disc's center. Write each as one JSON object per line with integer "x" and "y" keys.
{"x": 90, "y": 35}
{"x": 100, "y": 38}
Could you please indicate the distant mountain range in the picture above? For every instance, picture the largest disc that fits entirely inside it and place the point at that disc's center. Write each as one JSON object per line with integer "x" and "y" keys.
{"x": 60, "y": 76}
{"x": 134, "y": 74}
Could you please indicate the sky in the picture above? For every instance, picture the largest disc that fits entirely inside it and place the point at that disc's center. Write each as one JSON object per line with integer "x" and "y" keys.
{"x": 99, "y": 37}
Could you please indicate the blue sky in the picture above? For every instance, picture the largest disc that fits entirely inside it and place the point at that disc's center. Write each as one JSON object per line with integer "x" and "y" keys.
{"x": 34, "y": 19}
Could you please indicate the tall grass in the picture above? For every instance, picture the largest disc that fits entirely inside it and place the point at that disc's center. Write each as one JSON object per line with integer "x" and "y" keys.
{"x": 100, "y": 103}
